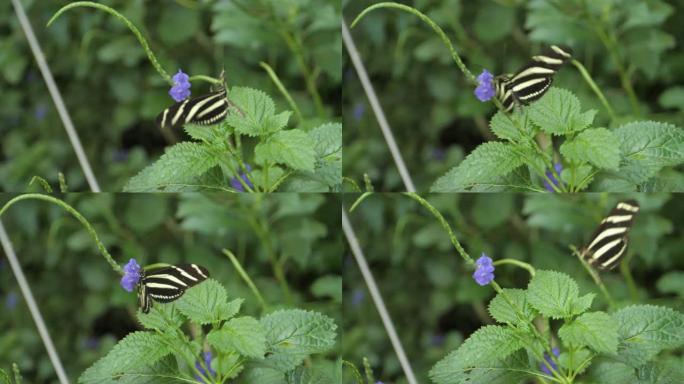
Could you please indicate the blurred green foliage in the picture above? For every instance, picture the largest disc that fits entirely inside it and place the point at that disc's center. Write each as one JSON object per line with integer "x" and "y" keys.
{"x": 431, "y": 107}
{"x": 287, "y": 243}
{"x": 431, "y": 295}
{"x": 114, "y": 94}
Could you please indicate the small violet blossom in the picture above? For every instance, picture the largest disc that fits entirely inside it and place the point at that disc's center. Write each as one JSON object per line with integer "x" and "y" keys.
{"x": 207, "y": 362}
{"x": 485, "y": 87}
{"x": 131, "y": 275}
{"x": 181, "y": 86}
{"x": 484, "y": 274}
{"x": 548, "y": 359}
{"x": 11, "y": 300}
{"x": 558, "y": 167}
{"x": 357, "y": 297}
{"x": 235, "y": 182}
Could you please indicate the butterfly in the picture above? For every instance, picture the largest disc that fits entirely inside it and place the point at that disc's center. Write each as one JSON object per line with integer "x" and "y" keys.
{"x": 167, "y": 284}
{"x": 609, "y": 243}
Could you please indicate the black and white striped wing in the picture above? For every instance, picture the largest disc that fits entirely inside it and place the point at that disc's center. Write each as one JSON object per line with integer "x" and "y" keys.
{"x": 204, "y": 110}
{"x": 533, "y": 80}
{"x": 609, "y": 242}
{"x": 168, "y": 284}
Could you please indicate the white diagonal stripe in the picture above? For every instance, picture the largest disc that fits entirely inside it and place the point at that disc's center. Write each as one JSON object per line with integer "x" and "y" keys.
{"x": 607, "y": 233}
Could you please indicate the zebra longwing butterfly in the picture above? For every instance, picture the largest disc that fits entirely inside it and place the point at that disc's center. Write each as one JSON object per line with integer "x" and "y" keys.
{"x": 168, "y": 284}
{"x": 609, "y": 242}
{"x": 531, "y": 81}
{"x": 203, "y": 110}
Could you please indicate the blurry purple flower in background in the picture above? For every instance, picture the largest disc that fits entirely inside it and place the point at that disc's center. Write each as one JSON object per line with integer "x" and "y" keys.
{"x": 207, "y": 362}
{"x": 11, "y": 300}
{"x": 120, "y": 155}
{"x": 485, "y": 87}
{"x": 235, "y": 183}
{"x": 484, "y": 274}
{"x": 92, "y": 343}
{"x": 359, "y": 110}
{"x": 357, "y": 297}
{"x": 40, "y": 111}
{"x": 181, "y": 86}
{"x": 543, "y": 366}
{"x": 131, "y": 275}
{"x": 558, "y": 168}
{"x": 438, "y": 154}
{"x": 438, "y": 339}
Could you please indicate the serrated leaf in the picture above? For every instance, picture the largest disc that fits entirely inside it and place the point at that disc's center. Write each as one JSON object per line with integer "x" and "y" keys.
{"x": 673, "y": 97}
{"x": 511, "y": 127}
{"x": 161, "y": 317}
{"x": 136, "y": 351}
{"x": 327, "y": 139}
{"x": 245, "y": 335}
{"x": 180, "y": 166}
{"x": 293, "y": 148}
{"x": 666, "y": 370}
{"x": 558, "y": 112}
{"x": 262, "y": 375}
{"x": 576, "y": 360}
{"x": 555, "y": 295}
{"x": 207, "y": 303}
{"x": 292, "y": 335}
{"x": 598, "y": 146}
{"x": 485, "y": 165}
{"x": 503, "y": 312}
{"x": 484, "y": 347}
{"x": 645, "y": 330}
{"x": 647, "y": 147}
{"x": 609, "y": 372}
{"x": 580, "y": 177}
{"x": 595, "y": 330}
{"x": 230, "y": 362}
{"x": 253, "y": 113}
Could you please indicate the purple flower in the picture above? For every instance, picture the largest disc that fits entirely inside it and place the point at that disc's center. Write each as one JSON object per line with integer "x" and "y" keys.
{"x": 235, "y": 183}
{"x": 359, "y": 110}
{"x": 438, "y": 339}
{"x": 92, "y": 343}
{"x": 40, "y": 111}
{"x": 207, "y": 362}
{"x": 181, "y": 86}
{"x": 484, "y": 274}
{"x": 559, "y": 168}
{"x": 11, "y": 300}
{"x": 485, "y": 87}
{"x": 131, "y": 275}
{"x": 543, "y": 366}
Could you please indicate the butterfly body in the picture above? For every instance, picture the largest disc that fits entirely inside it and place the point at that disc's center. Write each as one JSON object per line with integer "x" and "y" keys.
{"x": 167, "y": 284}
{"x": 533, "y": 80}
{"x": 609, "y": 243}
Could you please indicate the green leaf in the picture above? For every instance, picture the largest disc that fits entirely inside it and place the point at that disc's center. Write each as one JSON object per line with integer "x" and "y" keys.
{"x": 245, "y": 335}
{"x": 262, "y": 375}
{"x": 645, "y": 330}
{"x": 485, "y": 165}
{"x": 253, "y": 113}
{"x": 179, "y": 167}
{"x": 327, "y": 140}
{"x": 595, "y": 330}
{"x": 512, "y": 127}
{"x": 647, "y": 147}
{"x": 161, "y": 317}
{"x": 580, "y": 177}
{"x": 4, "y": 377}
{"x": 504, "y": 312}
{"x": 293, "y": 148}
{"x": 173, "y": 17}
{"x": 483, "y": 348}
{"x": 230, "y": 363}
{"x": 598, "y": 146}
{"x": 292, "y": 335}
{"x": 207, "y": 303}
{"x": 608, "y": 372}
{"x": 555, "y": 295}
{"x": 672, "y": 282}
{"x": 490, "y": 14}
{"x": 575, "y": 360}
{"x": 134, "y": 352}
{"x": 558, "y": 112}
{"x": 328, "y": 286}
{"x": 666, "y": 370}
{"x": 673, "y": 97}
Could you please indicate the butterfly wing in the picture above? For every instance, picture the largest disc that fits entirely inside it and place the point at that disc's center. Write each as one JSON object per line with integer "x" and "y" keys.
{"x": 609, "y": 243}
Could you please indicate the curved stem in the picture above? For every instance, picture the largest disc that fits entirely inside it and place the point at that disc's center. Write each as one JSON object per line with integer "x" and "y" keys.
{"x": 246, "y": 278}
{"x": 594, "y": 276}
{"x": 528, "y": 267}
{"x": 282, "y": 89}
{"x": 309, "y": 78}
{"x": 587, "y": 77}
{"x": 74, "y": 213}
{"x": 428, "y": 21}
{"x": 131, "y": 26}
{"x": 208, "y": 79}
{"x": 444, "y": 224}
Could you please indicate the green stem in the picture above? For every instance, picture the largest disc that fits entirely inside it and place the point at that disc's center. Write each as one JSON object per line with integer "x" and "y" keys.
{"x": 594, "y": 275}
{"x": 428, "y": 21}
{"x": 517, "y": 263}
{"x": 89, "y": 228}
{"x": 283, "y": 90}
{"x": 246, "y": 278}
{"x": 208, "y": 79}
{"x": 444, "y": 224}
{"x": 351, "y": 182}
{"x": 360, "y": 200}
{"x": 122, "y": 18}
{"x": 587, "y": 77}
{"x": 629, "y": 279}
{"x": 309, "y": 78}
